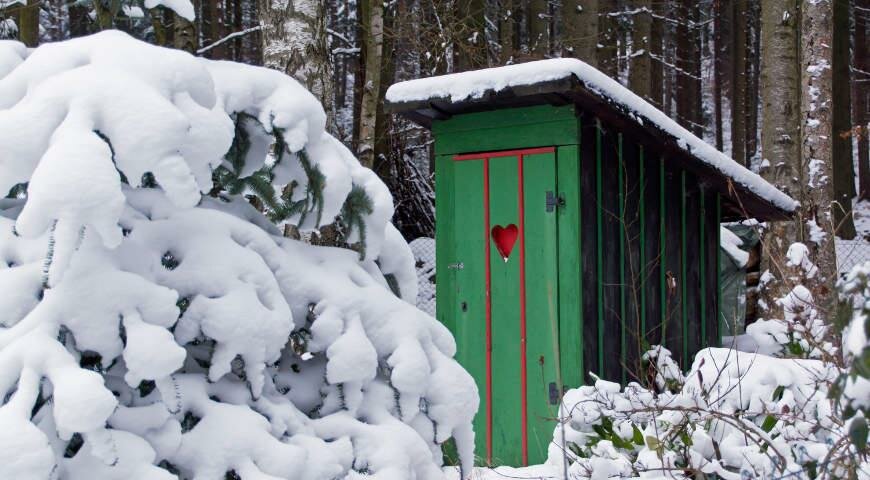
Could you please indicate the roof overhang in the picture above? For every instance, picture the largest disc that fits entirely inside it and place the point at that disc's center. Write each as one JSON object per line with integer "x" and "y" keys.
{"x": 739, "y": 202}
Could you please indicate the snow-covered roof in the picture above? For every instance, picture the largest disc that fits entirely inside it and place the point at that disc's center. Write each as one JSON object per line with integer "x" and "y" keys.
{"x": 431, "y": 98}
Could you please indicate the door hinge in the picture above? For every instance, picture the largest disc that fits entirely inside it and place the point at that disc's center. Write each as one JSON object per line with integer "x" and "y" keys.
{"x": 554, "y": 201}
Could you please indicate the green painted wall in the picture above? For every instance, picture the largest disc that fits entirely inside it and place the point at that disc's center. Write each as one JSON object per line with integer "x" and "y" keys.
{"x": 607, "y": 273}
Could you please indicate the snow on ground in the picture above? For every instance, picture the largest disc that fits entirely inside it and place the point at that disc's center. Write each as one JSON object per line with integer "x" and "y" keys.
{"x": 469, "y": 85}
{"x": 532, "y": 472}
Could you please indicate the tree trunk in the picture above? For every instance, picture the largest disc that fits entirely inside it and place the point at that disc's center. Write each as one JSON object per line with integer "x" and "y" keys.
{"x": 688, "y": 72}
{"x": 780, "y": 134}
{"x": 294, "y": 42}
{"x": 817, "y": 147}
{"x": 861, "y": 95}
{"x": 184, "y": 36}
{"x": 753, "y": 79}
{"x": 539, "y": 29}
{"x": 640, "y": 71}
{"x": 608, "y": 37}
{"x": 507, "y": 31}
{"x": 656, "y": 54}
{"x": 162, "y": 20}
{"x": 740, "y": 33}
{"x": 28, "y": 23}
{"x": 79, "y": 22}
{"x": 842, "y": 165}
{"x": 372, "y": 17}
{"x": 580, "y": 30}
{"x": 718, "y": 47}
{"x": 213, "y": 28}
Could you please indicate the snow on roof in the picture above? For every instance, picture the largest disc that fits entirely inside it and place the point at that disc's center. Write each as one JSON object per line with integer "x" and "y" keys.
{"x": 475, "y": 84}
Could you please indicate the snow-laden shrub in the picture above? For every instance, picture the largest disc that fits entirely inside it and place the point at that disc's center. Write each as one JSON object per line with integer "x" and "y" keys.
{"x": 150, "y": 331}
{"x": 739, "y": 415}
{"x": 796, "y": 411}
{"x": 852, "y": 388}
{"x": 802, "y": 332}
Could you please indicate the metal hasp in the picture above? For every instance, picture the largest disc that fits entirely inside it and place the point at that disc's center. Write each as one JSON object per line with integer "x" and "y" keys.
{"x": 554, "y": 201}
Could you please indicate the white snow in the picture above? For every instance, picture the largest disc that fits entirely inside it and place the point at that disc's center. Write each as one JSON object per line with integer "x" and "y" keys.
{"x": 468, "y": 85}
{"x": 159, "y": 324}
{"x": 731, "y": 243}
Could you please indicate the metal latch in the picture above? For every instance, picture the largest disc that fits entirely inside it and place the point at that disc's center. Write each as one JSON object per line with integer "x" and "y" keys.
{"x": 457, "y": 266}
{"x": 554, "y": 201}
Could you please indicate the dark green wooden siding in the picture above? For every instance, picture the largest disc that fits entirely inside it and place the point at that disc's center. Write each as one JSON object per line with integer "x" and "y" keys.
{"x": 629, "y": 260}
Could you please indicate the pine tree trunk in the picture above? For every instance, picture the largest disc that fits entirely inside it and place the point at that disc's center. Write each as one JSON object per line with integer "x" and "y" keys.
{"x": 507, "y": 31}
{"x": 842, "y": 165}
{"x": 780, "y": 134}
{"x": 739, "y": 81}
{"x": 608, "y": 37}
{"x": 688, "y": 72}
{"x": 212, "y": 29}
{"x": 656, "y": 54}
{"x": 753, "y": 79}
{"x": 861, "y": 95}
{"x": 79, "y": 22}
{"x": 580, "y": 30}
{"x": 539, "y": 29}
{"x": 817, "y": 146}
{"x": 294, "y": 42}
{"x": 184, "y": 36}
{"x": 372, "y": 18}
{"x": 641, "y": 63}
{"x": 382, "y": 154}
{"x": 28, "y": 23}
{"x": 717, "y": 73}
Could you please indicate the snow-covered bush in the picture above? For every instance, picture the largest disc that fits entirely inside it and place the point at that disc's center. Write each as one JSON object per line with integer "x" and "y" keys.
{"x": 739, "y": 415}
{"x": 796, "y": 408}
{"x": 153, "y": 324}
{"x": 852, "y": 388}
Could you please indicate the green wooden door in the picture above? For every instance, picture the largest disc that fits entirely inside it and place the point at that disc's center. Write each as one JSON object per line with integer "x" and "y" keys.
{"x": 505, "y": 244}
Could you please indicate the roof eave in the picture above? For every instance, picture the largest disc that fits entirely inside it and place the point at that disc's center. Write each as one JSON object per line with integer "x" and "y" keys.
{"x": 738, "y": 201}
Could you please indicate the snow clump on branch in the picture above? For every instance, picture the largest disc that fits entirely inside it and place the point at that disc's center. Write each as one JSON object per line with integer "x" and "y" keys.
{"x": 156, "y": 325}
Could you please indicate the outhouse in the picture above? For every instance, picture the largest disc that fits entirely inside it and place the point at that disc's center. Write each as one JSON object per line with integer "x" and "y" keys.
{"x": 576, "y": 226}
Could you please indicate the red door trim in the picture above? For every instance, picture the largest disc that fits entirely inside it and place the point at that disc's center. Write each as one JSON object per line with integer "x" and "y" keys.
{"x": 486, "y": 241}
{"x": 503, "y": 153}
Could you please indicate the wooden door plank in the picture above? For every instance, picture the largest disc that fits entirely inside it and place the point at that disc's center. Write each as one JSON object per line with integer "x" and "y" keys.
{"x": 466, "y": 286}
{"x": 505, "y": 298}
{"x": 570, "y": 268}
{"x": 541, "y": 301}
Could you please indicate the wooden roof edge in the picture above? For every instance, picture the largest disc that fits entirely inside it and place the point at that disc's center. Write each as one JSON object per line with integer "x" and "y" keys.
{"x": 739, "y": 202}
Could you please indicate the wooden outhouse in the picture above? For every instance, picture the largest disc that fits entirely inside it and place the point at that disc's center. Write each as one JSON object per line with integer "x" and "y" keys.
{"x": 576, "y": 226}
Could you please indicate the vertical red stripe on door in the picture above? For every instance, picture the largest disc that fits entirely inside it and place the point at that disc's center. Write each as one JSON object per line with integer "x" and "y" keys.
{"x": 488, "y": 312}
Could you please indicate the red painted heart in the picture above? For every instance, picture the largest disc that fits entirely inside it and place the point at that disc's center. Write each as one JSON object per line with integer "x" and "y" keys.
{"x": 505, "y": 238}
